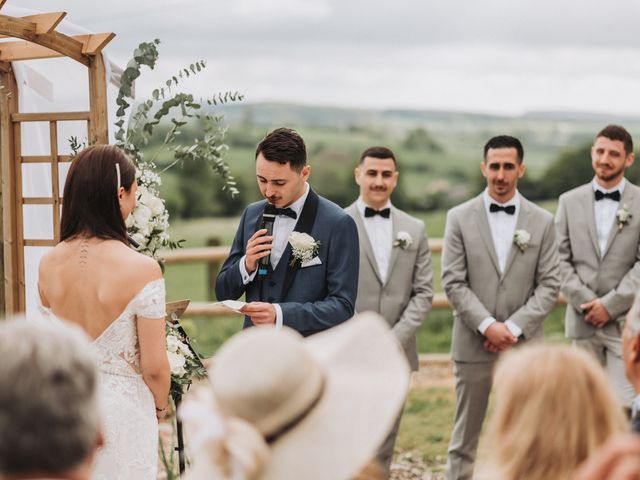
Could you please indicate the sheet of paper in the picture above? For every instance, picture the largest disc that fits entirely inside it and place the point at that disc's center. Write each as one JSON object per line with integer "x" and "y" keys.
{"x": 234, "y": 305}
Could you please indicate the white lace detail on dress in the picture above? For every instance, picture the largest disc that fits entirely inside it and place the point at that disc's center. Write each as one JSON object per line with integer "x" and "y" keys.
{"x": 128, "y": 408}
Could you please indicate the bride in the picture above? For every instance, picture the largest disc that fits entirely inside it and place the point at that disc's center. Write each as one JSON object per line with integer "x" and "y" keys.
{"x": 93, "y": 279}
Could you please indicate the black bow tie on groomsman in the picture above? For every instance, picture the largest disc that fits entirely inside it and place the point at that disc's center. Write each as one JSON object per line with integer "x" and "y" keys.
{"x": 615, "y": 195}
{"x": 372, "y": 212}
{"x": 509, "y": 209}
{"x": 287, "y": 212}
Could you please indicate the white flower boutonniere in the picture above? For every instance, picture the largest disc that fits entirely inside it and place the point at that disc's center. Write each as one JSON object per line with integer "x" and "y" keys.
{"x": 303, "y": 248}
{"x": 521, "y": 239}
{"x": 623, "y": 215}
{"x": 403, "y": 240}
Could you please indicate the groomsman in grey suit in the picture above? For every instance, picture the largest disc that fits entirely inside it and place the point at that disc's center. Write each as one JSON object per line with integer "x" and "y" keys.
{"x": 395, "y": 261}
{"x": 598, "y": 228}
{"x": 500, "y": 273}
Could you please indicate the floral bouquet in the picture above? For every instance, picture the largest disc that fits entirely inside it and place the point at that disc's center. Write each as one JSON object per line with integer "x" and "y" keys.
{"x": 148, "y": 223}
{"x": 185, "y": 363}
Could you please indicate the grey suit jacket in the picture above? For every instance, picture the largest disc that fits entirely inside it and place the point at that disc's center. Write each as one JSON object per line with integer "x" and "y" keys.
{"x": 524, "y": 293}
{"x": 404, "y": 297}
{"x": 614, "y": 277}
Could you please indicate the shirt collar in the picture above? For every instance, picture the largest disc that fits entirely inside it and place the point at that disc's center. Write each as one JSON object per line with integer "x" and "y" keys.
{"x": 515, "y": 200}
{"x": 620, "y": 186}
{"x": 361, "y": 206}
{"x": 299, "y": 203}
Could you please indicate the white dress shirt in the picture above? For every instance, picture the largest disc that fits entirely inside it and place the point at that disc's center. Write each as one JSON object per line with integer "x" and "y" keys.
{"x": 282, "y": 228}
{"x": 503, "y": 227}
{"x": 605, "y": 213}
{"x": 379, "y": 230}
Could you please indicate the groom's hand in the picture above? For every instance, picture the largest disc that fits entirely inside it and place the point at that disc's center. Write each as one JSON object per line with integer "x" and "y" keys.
{"x": 258, "y": 246}
{"x": 261, "y": 313}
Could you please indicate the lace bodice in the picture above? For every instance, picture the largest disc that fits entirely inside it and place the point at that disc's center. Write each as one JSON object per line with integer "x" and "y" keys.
{"x": 117, "y": 347}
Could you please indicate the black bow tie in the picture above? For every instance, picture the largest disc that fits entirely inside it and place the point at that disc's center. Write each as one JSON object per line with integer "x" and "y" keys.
{"x": 287, "y": 212}
{"x": 509, "y": 209}
{"x": 615, "y": 195}
{"x": 371, "y": 212}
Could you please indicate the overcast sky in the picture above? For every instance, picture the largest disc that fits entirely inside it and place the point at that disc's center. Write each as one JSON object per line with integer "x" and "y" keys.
{"x": 499, "y": 56}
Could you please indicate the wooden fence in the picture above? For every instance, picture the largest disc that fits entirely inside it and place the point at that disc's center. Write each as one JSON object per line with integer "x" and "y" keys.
{"x": 214, "y": 256}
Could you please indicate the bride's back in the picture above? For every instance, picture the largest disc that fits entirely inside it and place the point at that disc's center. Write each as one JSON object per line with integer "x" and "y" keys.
{"x": 89, "y": 281}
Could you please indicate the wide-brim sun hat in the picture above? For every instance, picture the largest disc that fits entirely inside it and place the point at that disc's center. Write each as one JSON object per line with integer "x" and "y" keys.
{"x": 324, "y": 404}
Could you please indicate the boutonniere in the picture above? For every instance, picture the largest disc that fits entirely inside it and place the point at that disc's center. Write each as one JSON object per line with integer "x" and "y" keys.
{"x": 623, "y": 215}
{"x": 521, "y": 239}
{"x": 403, "y": 240}
{"x": 303, "y": 248}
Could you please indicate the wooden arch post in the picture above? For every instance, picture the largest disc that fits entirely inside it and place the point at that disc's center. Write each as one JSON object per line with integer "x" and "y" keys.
{"x": 35, "y": 38}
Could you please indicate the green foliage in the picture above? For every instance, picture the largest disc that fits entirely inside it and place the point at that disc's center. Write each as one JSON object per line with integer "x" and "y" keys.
{"x": 420, "y": 139}
{"x": 180, "y": 110}
{"x": 572, "y": 167}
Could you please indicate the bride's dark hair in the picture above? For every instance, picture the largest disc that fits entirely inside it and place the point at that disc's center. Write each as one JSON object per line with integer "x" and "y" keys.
{"x": 90, "y": 204}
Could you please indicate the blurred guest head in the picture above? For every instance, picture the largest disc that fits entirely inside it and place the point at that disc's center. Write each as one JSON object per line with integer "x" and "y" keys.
{"x": 631, "y": 346}
{"x": 553, "y": 408}
{"x": 282, "y": 407}
{"x": 49, "y": 422}
{"x": 99, "y": 194}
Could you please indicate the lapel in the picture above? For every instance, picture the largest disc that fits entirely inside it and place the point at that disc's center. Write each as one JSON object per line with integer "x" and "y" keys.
{"x": 365, "y": 243}
{"x": 394, "y": 250}
{"x": 480, "y": 215}
{"x": 626, "y": 198}
{"x": 590, "y": 214}
{"x": 521, "y": 224}
{"x": 304, "y": 225}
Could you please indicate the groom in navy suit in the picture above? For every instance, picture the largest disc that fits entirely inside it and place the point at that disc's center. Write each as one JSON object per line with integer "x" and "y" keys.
{"x": 311, "y": 287}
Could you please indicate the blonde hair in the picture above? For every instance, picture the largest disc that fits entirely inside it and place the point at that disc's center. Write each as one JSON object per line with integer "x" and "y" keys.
{"x": 553, "y": 407}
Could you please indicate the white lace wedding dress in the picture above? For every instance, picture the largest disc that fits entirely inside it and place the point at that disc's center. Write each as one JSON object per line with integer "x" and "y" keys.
{"x": 129, "y": 422}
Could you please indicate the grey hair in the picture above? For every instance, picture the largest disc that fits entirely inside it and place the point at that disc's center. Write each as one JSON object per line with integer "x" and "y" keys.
{"x": 633, "y": 317}
{"x": 49, "y": 419}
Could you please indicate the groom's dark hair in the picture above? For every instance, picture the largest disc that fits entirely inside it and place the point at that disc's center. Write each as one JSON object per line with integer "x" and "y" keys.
{"x": 619, "y": 133}
{"x": 284, "y": 145}
{"x": 90, "y": 204}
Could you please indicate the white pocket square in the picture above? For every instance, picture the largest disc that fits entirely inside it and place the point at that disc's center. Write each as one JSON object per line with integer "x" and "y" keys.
{"x": 311, "y": 263}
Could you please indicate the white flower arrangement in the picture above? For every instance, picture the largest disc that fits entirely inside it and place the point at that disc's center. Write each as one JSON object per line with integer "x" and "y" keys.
{"x": 148, "y": 223}
{"x": 521, "y": 239}
{"x": 184, "y": 363}
{"x": 623, "y": 215}
{"x": 303, "y": 248}
{"x": 403, "y": 240}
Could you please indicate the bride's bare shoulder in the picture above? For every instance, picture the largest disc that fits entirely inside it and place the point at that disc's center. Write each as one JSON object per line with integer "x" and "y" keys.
{"x": 138, "y": 265}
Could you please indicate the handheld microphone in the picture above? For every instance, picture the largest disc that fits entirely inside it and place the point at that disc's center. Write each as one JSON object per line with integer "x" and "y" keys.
{"x": 268, "y": 217}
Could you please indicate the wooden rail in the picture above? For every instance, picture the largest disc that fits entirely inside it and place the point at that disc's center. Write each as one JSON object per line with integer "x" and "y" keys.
{"x": 217, "y": 255}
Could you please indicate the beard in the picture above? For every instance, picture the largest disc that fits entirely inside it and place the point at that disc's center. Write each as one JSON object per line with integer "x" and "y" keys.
{"x": 611, "y": 175}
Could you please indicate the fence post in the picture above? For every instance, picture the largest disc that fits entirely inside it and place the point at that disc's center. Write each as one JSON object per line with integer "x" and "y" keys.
{"x": 212, "y": 271}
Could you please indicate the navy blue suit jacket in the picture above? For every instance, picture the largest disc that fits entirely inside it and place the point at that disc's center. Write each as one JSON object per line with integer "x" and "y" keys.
{"x": 313, "y": 298}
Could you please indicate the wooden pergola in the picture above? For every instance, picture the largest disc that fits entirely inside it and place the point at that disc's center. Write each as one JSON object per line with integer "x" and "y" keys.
{"x": 35, "y": 37}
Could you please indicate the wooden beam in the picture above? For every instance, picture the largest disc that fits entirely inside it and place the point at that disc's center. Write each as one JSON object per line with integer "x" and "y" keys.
{"x": 44, "y": 158}
{"x": 39, "y": 243}
{"x": 48, "y": 116}
{"x": 2, "y": 2}
{"x": 99, "y": 122}
{"x": 94, "y": 43}
{"x": 45, "y": 22}
{"x": 8, "y": 105}
{"x": 24, "y": 50}
{"x": 55, "y": 187}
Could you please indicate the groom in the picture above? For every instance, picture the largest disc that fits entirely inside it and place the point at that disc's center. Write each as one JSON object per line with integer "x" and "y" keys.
{"x": 309, "y": 288}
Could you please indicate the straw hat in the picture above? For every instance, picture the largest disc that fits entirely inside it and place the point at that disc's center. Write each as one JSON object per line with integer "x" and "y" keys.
{"x": 324, "y": 404}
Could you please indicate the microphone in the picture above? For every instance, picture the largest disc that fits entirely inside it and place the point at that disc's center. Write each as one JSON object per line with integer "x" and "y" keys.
{"x": 268, "y": 217}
